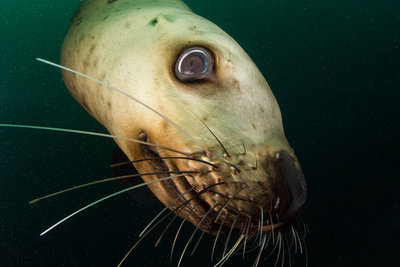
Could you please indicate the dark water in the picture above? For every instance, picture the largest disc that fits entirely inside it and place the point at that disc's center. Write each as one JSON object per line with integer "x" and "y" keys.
{"x": 334, "y": 67}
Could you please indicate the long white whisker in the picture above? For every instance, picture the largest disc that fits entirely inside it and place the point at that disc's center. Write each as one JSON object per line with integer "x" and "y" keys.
{"x": 272, "y": 228}
{"x": 89, "y": 133}
{"x": 165, "y": 230}
{"x": 130, "y": 251}
{"x": 230, "y": 233}
{"x": 258, "y": 232}
{"x": 105, "y": 198}
{"x": 300, "y": 246}
{"x": 216, "y": 238}
{"x": 156, "y": 158}
{"x": 163, "y": 218}
{"x": 179, "y": 230}
{"x": 146, "y": 232}
{"x": 302, "y": 239}
{"x": 165, "y": 209}
{"x": 274, "y": 248}
{"x": 123, "y": 93}
{"x": 197, "y": 243}
{"x": 221, "y": 209}
{"x": 227, "y": 255}
{"x": 103, "y": 181}
{"x": 294, "y": 239}
{"x": 279, "y": 240}
{"x": 284, "y": 242}
{"x": 140, "y": 239}
{"x": 248, "y": 220}
{"x": 194, "y": 232}
{"x": 262, "y": 223}
{"x": 234, "y": 248}
{"x": 290, "y": 252}
{"x": 264, "y": 239}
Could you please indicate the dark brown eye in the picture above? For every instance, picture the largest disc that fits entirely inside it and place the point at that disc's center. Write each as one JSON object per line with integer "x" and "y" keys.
{"x": 193, "y": 64}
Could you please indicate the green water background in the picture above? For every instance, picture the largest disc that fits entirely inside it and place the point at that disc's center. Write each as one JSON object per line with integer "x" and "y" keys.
{"x": 334, "y": 67}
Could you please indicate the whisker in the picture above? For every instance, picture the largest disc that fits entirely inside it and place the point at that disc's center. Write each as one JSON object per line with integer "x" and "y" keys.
{"x": 229, "y": 235}
{"x": 262, "y": 223}
{"x": 216, "y": 237}
{"x": 103, "y": 181}
{"x": 242, "y": 227}
{"x": 130, "y": 251}
{"x": 123, "y": 93}
{"x": 233, "y": 166}
{"x": 248, "y": 226}
{"x": 140, "y": 160}
{"x": 275, "y": 244}
{"x": 221, "y": 209}
{"x": 240, "y": 247}
{"x": 164, "y": 231}
{"x": 258, "y": 232}
{"x": 166, "y": 208}
{"x": 91, "y": 133}
{"x": 305, "y": 248}
{"x": 219, "y": 214}
{"x": 145, "y": 234}
{"x": 279, "y": 241}
{"x": 277, "y": 218}
{"x": 264, "y": 239}
{"x": 272, "y": 228}
{"x": 231, "y": 251}
{"x": 177, "y": 232}
{"x": 155, "y": 218}
{"x": 197, "y": 243}
{"x": 176, "y": 208}
{"x": 283, "y": 250}
{"x": 300, "y": 246}
{"x": 216, "y": 138}
{"x": 170, "y": 223}
{"x": 107, "y": 197}
{"x": 268, "y": 240}
{"x": 305, "y": 228}
{"x": 248, "y": 220}
{"x": 253, "y": 246}
{"x": 290, "y": 252}
{"x": 194, "y": 232}
{"x": 294, "y": 239}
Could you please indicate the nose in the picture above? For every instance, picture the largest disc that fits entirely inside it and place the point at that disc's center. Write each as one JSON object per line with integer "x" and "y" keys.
{"x": 293, "y": 176}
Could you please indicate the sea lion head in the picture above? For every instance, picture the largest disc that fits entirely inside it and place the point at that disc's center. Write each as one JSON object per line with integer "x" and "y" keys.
{"x": 216, "y": 109}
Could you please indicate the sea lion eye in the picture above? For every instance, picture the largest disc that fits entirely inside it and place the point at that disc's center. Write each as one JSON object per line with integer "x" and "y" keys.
{"x": 194, "y": 64}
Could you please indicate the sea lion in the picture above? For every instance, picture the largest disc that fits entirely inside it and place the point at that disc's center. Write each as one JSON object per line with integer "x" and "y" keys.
{"x": 189, "y": 88}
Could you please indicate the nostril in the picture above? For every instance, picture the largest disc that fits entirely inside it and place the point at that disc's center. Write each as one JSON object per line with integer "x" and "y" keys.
{"x": 294, "y": 179}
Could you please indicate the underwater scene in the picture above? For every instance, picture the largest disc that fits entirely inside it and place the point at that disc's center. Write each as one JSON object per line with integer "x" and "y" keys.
{"x": 334, "y": 69}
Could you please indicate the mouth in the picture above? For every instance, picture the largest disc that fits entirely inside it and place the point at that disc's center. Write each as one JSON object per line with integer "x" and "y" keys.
{"x": 217, "y": 206}
{"x": 187, "y": 201}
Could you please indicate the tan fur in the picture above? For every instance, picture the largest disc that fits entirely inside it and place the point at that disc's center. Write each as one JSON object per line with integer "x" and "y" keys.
{"x": 117, "y": 43}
